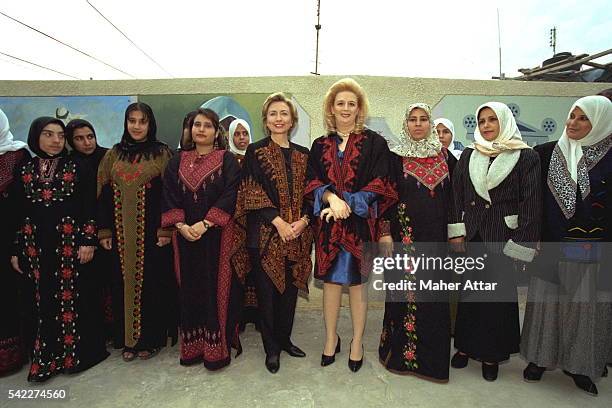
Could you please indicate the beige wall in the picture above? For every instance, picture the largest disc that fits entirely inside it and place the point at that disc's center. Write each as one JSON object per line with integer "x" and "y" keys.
{"x": 388, "y": 97}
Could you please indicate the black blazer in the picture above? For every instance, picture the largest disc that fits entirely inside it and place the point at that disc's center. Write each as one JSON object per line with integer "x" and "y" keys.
{"x": 513, "y": 214}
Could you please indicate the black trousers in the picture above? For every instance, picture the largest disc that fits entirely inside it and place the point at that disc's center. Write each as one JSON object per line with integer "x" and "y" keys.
{"x": 276, "y": 310}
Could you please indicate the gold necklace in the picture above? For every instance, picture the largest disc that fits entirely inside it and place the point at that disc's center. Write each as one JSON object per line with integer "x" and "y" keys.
{"x": 344, "y": 135}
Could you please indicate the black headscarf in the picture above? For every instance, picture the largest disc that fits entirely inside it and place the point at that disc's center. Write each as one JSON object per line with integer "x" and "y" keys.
{"x": 34, "y": 136}
{"x": 128, "y": 148}
{"x": 96, "y": 156}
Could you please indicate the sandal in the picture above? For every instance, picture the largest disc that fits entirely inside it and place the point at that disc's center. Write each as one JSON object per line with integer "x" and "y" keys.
{"x": 129, "y": 354}
{"x": 148, "y": 353}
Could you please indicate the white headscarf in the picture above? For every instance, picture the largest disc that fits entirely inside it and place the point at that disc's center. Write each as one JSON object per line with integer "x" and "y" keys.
{"x": 599, "y": 111}
{"x": 429, "y": 146}
{"x": 572, "y": 159}
{"x": 450, "y": 126}
{"x": 7, "y": 144}
{"x": 232, "y": 129}
{"x": 506, "y": 148}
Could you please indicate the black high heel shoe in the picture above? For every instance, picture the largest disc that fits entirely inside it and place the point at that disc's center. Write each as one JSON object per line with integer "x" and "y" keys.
{"x": 583, "y": 382}
{"x": 355, "y": 365}
{"x": 327, "y": 360}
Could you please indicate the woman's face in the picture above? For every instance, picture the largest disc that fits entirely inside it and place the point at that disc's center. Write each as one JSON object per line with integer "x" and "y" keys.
{"x": 52, "y": 139}
{"x": 345, "y": 109}
{"x": 203, "y": 131}
{"x": 578, "y": 124}
{"x": 418, "y": 124}
{"x": 84, "y": 140}
{"x": 138, "y": 125}
{"x": 488, "y": 124}
{"x": 444, "y": 134}
{"x": 241, "y": 137}
{"x": 278, "y": 118}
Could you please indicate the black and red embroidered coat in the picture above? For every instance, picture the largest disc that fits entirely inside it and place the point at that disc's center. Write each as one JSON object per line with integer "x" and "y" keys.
{"x": 273, "y": 182}
{"x": 364, "y": 167}
{"x": 56, "y": 214}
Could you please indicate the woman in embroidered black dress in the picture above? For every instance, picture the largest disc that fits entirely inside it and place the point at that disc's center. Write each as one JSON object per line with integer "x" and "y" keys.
{"x": 348, "y": 183}
{"x": 568, "y": 318}
{"x": 81, "y": 137}
{"x": 12, "y": 344}
{"x": 239, "y": 138}
{"x": 496, "y": 211}
{"x": 129, "y": 217}
{"x": 200, "y": 186}
{"x": 415, "y": 337}
{"x": 272, "y": 219}
{"x": 57, "y": 202}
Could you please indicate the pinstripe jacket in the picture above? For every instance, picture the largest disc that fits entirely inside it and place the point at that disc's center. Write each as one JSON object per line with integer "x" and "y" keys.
{"x": 510, "y": 223}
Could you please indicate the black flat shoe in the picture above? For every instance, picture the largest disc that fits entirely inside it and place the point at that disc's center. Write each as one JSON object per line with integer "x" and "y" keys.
{"x": 273, "y": 363}
{"x": 327, "y": 360}
{"x": 489, "y": 371}
{"x": 533, "y": 372}
{"x": 355, "y": 365}
{"x": 583, "y": 382}
{"x": 294, "y": 351}
{"x": 459, "y": 360}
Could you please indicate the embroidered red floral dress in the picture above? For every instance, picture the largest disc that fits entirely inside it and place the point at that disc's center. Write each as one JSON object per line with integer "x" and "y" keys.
{"x": 56, "y": 217}
{"x": 415, "y": 337}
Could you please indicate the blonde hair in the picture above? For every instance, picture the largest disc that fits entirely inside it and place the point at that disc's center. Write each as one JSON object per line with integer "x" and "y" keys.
{"x": 345, "y": 85}
{"x": 278, "y": 97}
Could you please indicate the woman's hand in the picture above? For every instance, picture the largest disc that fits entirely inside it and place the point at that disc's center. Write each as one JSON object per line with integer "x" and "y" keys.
{"x": 298, "y": 227}
{"x": 339, "y": 207}
{"x": 15, "y": 264}
{"x": 457, "y": 244}
{"x": 106, "y": 243}
{"x": 188, "y": 233}
{"x": 163, "y": 241}
{"x": 85, "y": 254}
{"x": 385, "y": 244}
{"x": 284, "y": 229}
{"x": 199, "y": 228}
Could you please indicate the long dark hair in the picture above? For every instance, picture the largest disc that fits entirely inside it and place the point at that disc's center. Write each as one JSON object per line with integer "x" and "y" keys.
{"x": 129, "y": 149}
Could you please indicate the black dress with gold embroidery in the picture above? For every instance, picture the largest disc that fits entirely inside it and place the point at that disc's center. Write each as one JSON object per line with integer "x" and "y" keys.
{"x": 273, "y": 182}
{"x": 415, "y": 337}
{"x": 196, "y": 189}
{"x": 57, "y": 205}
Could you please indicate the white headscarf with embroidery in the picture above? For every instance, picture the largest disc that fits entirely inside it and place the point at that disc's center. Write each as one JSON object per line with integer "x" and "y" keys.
{"x": 572, "y": 159}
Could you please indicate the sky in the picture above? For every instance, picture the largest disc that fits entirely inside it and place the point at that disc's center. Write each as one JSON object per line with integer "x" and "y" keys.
{"x": 193, "y": 39}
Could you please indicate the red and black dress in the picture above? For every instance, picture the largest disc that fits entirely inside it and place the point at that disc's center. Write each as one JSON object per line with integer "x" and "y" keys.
{"x": 360, "y": 176}
{"x": 12, "y": 353}
{"x": 198, "y": 188}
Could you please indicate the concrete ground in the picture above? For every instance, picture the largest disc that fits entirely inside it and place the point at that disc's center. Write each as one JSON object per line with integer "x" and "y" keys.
{"x": 162, "y": 382}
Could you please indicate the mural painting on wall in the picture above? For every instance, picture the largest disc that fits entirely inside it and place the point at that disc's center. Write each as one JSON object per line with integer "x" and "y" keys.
{"x": 106, "y": 113}
{"x": 540, "y": 119}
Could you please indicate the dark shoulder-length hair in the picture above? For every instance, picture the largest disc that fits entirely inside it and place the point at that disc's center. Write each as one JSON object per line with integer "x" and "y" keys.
{"x": 214, "y": 118}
